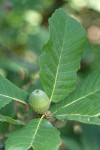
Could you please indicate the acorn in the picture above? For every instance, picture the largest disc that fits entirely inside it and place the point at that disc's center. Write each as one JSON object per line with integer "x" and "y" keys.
{"x": 39, "y": 101}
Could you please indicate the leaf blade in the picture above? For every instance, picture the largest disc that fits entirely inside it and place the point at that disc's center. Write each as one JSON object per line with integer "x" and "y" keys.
{"x": 60, "y": 59}
{"x": 9, "y": 92}
{"x": 39, "y": 136}
{"x": 83, "y": 104}
{"x": 10, "y": 120}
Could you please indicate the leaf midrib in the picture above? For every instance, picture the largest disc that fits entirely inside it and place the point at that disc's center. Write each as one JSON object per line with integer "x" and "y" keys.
{"x": 38, "y": 126}
{"x": 78, "y": 115}
{"x": 56, "y": 76}
{"x": 13, "y": 98}
{"x": 77, "y": 100}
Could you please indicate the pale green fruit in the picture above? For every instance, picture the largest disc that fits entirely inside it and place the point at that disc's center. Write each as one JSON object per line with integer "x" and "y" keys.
{"x": 39, "y": 101}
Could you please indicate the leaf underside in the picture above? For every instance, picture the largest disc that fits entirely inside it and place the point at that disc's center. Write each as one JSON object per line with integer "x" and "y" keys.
{"x": 61, "y": 55}
{"x": 83, "y": 104}
{"x": 9, "y": 92}
{"x": 38, "y": 134}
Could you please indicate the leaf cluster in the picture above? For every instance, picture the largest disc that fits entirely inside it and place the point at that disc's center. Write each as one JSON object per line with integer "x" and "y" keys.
{"x": 59, "y": 63}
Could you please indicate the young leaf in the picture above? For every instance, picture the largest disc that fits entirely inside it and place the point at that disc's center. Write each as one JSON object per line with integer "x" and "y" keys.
{"x": 60, "y": 59}
{"x": 38, "y": 134}
{"x": 10, "y": 120}
{"x": 83, "y": 104}
{"x": 9, "y": 92}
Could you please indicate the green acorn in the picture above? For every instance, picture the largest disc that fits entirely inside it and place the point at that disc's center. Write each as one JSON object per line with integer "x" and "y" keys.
{"x": 39, "y": 101}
